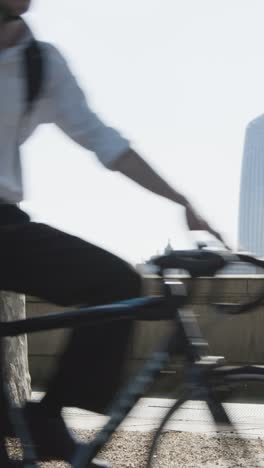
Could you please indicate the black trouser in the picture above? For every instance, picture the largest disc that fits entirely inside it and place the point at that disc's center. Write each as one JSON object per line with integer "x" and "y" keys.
{"x": 39, "y": 260}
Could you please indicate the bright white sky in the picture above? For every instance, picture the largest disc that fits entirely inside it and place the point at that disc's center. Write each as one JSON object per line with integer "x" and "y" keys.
{"x": 181, "y": 79}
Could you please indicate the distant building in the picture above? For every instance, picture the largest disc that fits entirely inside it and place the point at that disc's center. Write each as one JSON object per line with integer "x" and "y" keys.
{"x": 251, "y": 205}
{"x": 168, "y": 249}
{"x": 237, "y": 269}
{"x": 146, "y": 268}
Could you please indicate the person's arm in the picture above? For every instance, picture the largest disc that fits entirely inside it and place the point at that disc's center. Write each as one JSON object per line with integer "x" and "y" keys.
{"x": 137, "y": 169}
{"x": 132, "y": 165}
{"x": 65, "y": 105}
{"x": 68, "y": 108}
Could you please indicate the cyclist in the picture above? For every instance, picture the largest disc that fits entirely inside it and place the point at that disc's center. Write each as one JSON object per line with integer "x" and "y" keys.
{"x": 39, "y": 260}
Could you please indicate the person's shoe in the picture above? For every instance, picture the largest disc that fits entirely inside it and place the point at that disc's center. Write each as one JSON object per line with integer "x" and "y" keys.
{"x": 50, "y": 436}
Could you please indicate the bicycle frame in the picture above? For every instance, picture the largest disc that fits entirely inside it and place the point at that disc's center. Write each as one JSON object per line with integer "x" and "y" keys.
{"x": 148, "y": 308}
{"x": 202, "y": 376}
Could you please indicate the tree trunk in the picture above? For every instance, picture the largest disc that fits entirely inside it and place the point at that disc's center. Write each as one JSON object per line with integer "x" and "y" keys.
{"x": 15, "y": 350}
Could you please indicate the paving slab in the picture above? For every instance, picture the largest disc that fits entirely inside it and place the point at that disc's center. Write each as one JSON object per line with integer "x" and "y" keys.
{"x": 194, "y": 416}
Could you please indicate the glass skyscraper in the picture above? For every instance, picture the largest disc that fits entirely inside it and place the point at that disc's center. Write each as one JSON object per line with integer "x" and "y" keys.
{"x": 251, "y": 206}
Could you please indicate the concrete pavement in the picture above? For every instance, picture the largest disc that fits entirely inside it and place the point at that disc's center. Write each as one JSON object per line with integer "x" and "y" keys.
{"x": 192, "y": 417}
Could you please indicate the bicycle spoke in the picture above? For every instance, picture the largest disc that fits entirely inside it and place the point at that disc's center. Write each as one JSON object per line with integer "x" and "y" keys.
{"x": 164, "y": 421}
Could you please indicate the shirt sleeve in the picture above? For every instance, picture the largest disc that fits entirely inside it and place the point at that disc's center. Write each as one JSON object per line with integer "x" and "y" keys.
{"x": 69, "y": 110}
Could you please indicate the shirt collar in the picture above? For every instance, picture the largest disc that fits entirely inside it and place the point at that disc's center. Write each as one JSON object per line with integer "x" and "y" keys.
{"x": 12, "y": 52}
{"x": 25, "y": 39}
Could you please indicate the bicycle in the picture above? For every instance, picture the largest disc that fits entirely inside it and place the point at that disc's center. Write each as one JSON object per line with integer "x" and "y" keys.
{"x": 203, "y": 375}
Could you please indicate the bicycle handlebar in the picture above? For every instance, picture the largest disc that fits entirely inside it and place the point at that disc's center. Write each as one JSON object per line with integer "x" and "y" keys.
{"x": 196, "y": 262}
{"x": 237, "y": 309}
{"x": 202, "y": 263}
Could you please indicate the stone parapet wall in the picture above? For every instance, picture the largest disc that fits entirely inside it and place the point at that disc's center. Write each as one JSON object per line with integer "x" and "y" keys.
{"x": 238, "y": 338}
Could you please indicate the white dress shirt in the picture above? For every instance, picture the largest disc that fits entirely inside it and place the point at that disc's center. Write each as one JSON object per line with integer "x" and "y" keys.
{"x": 61, "y": 102}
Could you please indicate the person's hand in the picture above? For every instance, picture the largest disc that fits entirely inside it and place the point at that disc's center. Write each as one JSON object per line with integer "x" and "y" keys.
{"x": 196, "y": 223}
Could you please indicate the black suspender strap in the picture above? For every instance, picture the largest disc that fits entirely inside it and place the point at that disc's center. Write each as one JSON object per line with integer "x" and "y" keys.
{"x": 34, "y": 72}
